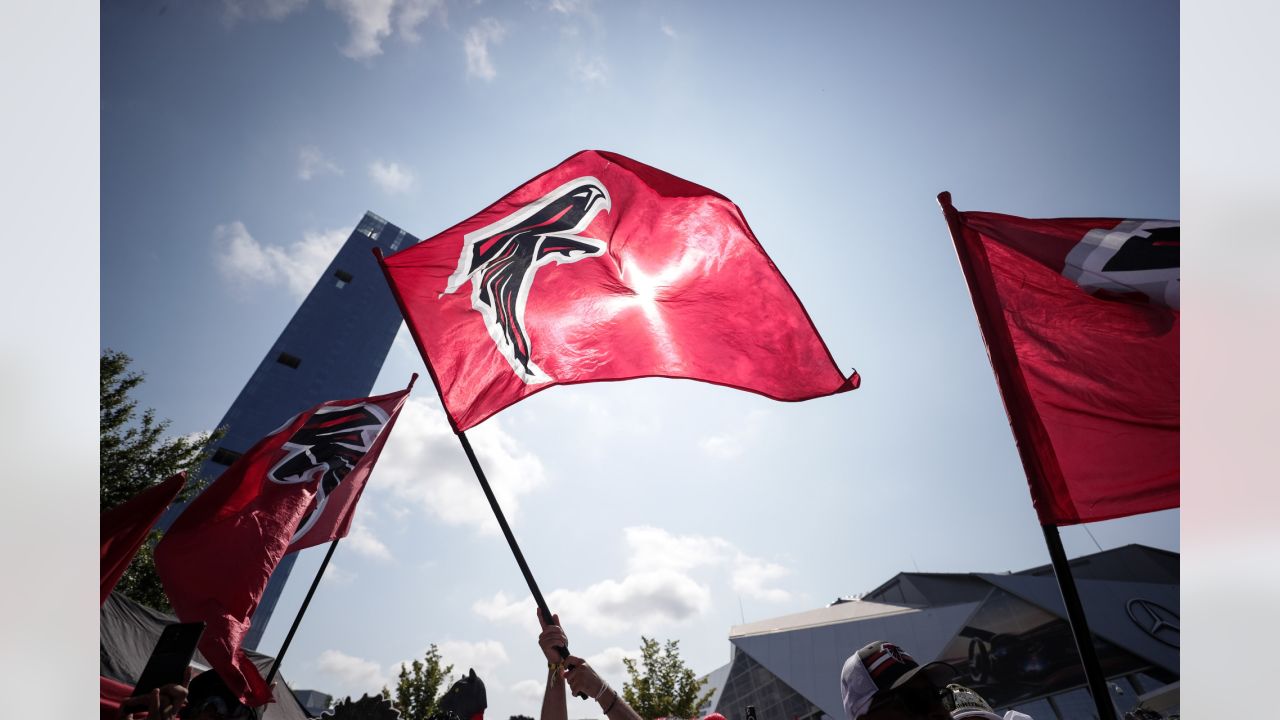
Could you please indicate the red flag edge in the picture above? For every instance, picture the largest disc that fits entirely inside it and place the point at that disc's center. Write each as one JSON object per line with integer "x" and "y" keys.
{"x": 1029, "y": 434}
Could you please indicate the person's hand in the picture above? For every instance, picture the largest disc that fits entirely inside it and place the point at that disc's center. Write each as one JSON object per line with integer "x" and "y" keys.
{"x": 162, "y": 703}
{"x": 581, "y": 677}
{"x": 552, "y": 637}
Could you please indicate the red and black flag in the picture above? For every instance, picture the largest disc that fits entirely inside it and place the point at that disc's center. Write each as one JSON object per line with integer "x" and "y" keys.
{"x": 295, "y": 488}
{"x": 124, "y": 527}
{"x": 603, "y": 268}
{"x": 1080, "y": 317}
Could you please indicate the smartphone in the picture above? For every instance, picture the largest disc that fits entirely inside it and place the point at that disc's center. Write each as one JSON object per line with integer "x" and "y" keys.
{"x": 170, "y": 658}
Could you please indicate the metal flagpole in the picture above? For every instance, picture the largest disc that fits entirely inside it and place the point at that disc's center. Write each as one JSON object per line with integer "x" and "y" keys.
{"x": 1017, "y": 409}
{"x": 275, "y": 666}
{"x": 1079, "y": 624}
{"x": 475, "y": 465}
{"x": 511, "y": 539}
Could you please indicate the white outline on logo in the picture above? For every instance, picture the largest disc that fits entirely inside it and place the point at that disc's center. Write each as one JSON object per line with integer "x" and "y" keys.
{"x": 1086, "y": 260}
{"x": 367, "y": 433}
{"x": 534, "y": 375}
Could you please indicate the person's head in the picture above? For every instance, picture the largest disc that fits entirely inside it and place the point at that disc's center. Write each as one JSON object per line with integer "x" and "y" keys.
{"x": 466, "y": 698}
{"x": 965, "y": 704}
{"x": 209, "y": 698}
{"x": 882, "y": 682}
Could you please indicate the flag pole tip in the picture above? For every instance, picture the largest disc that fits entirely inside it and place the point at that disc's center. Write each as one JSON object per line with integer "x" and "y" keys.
{"x": 944, "y": 198}
{"x": 413, "y": 379}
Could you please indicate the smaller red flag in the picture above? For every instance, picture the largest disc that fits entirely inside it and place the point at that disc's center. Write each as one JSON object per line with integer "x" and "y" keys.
{"x": 1080, "y": 317}
{"x": 295, "y": 488}
{"x": 124, "y": 527}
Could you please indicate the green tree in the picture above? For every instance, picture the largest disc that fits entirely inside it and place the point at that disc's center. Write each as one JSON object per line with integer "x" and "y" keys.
{"x": 418, "y": 686}
{"x": 135, "y": 454}
{"x": 660, "y": 684}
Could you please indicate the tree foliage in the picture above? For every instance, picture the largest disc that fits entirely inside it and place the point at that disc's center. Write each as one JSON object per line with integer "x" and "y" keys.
{"x": 135, "y": 454}
{"x": 660, "y": 684}
{"x": 418, "y": 686}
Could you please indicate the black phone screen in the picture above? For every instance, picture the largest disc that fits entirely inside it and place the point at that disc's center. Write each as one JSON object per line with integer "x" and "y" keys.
{"x": 171, "y": 657}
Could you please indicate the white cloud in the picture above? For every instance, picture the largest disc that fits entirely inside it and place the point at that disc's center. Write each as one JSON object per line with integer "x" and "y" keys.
{"x": 592, "y": 71}
{"x": 352, "y": 675}
{"x": 241, "y": 258}
{"x": 731, "y": 444}
{"x": 234, "y": 11}
{"x": 422, "y": 463}
{"x": 390, "y": 176}
{"x": 337, "y": 575}
{"x": 302, "y": 263}
{"x": 529, "y": 691}
{"x": 608, "y": 664}
{"x": 476, "y": 43}
{"x": 660, "y": 586}
{"x": 312, "y": 163}
{"x": 751, "y": 575}
{"x": 668, "y": 30}
{"x": 484, "y": 657}
{"x": 570, "y": 7}
{"x": 640, "y": 600}
{"x": 412, "y": 13}
{"x": 362, "y": 540}
{"x": 501, "y": 608}
{"x": 369, "y": 22}
{"x": 656, "y": 549}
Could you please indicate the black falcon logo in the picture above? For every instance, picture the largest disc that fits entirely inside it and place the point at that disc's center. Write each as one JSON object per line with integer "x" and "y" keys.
{"x": 1137, "y": 258}
{"x": 327, "y": 447}
{"x": 501, "y": 259}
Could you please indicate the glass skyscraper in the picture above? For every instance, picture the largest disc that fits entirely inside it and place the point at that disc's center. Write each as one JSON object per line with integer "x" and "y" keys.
{"x": 332, "y": 349}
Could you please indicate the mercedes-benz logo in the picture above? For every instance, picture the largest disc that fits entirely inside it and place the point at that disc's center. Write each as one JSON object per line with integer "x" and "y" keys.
{"x": 1155, "y": 620}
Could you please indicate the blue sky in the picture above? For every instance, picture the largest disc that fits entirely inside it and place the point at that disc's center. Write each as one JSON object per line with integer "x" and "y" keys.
{"x": 241, "y": 141}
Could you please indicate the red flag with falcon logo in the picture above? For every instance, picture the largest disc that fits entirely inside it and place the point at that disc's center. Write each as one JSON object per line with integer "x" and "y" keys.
{"x": 603, "y": 268}
{"x": 295, "y": 488}
{"x": 1080, "y": 318}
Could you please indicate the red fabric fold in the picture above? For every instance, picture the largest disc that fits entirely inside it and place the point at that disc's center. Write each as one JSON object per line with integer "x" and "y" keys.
{"x": 295, "y": 488}
{"x": 1081, "y": 320}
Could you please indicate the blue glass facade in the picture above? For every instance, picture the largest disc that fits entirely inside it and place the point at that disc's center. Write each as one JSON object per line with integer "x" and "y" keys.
{"x": 332, "y": 349}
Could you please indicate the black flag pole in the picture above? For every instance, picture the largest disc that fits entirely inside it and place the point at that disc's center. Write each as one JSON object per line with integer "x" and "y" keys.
{"x": 1001, "y": 364}
{"x": 315, "y": 582}
{"x": 297, "y": 620}
{"x": 1096, "y": 680}
{"x": 475, "y": 465}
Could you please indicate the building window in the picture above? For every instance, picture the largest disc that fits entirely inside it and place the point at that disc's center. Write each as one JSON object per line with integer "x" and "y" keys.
{"x": 371, "y": 225}
{"x": 223, "y": 456}
{"x": 395, "y": 244}
{"x": 343, "y": 276}
{"x": 292, "y": 361}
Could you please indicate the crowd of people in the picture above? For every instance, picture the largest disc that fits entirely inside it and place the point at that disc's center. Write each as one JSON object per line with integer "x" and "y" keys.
{"x": 881, "y": 681}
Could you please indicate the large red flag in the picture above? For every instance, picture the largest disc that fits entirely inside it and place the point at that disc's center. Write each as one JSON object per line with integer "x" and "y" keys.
{"x": 124, "y": 527}
{"x": 1080, "y": 318}
{"x": 603, "y": 268}
{"x": 294, "y": 488}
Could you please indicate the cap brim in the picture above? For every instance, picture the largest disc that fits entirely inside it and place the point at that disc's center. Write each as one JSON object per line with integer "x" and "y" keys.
{"x": 939, "y": 673}
{"x": 975, "y": 713}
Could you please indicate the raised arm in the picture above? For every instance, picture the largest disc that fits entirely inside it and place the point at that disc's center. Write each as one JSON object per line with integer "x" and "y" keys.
{"x": 553, "y": 701}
